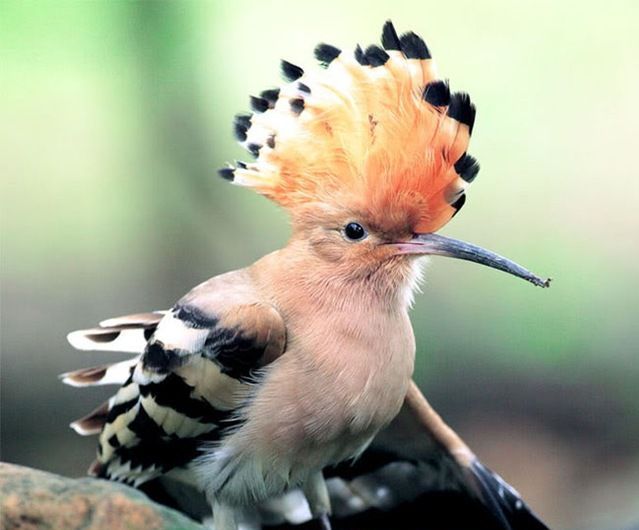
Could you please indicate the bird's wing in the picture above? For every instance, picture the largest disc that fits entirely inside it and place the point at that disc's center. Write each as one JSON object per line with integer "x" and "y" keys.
{"x": 418, "y": 474}
{"x": 191, "y": 373}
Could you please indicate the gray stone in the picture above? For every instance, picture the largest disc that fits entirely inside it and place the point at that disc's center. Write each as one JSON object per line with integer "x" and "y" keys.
{"x": 35, "y": 500}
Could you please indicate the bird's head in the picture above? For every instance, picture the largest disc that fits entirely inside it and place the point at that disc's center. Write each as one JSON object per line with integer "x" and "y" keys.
{"x": 368, "y": 155}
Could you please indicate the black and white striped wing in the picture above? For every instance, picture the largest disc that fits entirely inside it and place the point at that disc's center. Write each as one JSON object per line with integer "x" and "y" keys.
{"x": 182, "y": 389}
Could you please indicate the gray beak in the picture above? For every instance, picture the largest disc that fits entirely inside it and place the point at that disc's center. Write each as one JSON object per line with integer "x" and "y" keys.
{"x": 433, "y": 244}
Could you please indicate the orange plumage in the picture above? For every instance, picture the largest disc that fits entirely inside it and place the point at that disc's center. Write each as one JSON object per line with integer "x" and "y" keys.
{"x": 374, "y": 130}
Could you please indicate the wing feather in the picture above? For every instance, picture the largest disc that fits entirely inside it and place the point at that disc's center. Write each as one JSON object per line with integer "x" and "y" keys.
{"x": 192, "y": 373}
{"x": 106, "y": 374}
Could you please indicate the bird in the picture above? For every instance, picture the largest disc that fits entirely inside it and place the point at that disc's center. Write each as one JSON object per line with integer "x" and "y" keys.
{"x": 283, "y": 392}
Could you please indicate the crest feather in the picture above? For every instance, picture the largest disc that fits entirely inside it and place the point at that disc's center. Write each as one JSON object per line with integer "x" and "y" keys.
{"x": 374, "y": 123}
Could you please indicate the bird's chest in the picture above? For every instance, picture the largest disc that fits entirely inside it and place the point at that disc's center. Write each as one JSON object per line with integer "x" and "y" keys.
{"x": 354, "y": 369}
{"x": 343, "y": 377}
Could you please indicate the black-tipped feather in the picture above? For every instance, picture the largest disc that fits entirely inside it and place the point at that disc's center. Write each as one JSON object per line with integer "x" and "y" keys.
{"x": 291, "y": 71}
{"x": 244, "y": 119}
{"x": 467, "y": 167}
{"x": 376, "y": 56}
{"x": 259, "y": 104}
{"x": 227, "y": 173}
{"x": 458, "y": 204}
{"x": 241, "y": 124}
{"x": 360, "y": 57}
{"x": 390, "y": 39}
{"x": 240, "y": 132}
{"x": 326, "y": 53}
{"x": 462, "y": 109}
{"x": 303, "y": 88}
{"x": 437, "y": 93}
{"x": 297, "y": 105}
{"x": 271, "y": 96}
{"x": 414, "y": 46}
{"x": 254, "y": 149}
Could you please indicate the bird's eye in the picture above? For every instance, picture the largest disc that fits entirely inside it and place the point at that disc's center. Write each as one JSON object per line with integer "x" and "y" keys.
{"x": 354, "y": 232}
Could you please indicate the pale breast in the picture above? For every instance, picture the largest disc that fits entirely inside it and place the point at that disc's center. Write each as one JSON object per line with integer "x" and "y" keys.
{"x": 343, "y": 376}
{"x": 336, "y": 386}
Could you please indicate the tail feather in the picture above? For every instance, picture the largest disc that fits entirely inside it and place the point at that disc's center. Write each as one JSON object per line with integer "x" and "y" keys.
{"x": 503, "y": 501}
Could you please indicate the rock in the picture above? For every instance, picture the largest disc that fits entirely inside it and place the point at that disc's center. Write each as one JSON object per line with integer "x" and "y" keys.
{"x": 36, "y": 500}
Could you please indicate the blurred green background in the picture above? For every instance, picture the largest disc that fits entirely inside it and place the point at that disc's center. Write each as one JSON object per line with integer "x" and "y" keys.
{"x": 114, "y": 117}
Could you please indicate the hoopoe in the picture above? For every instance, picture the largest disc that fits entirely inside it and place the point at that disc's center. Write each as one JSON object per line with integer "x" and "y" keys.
{"x": 283, "y": 391}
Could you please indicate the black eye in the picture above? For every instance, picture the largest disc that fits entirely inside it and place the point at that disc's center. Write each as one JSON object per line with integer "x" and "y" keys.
{"x": 354, "y": 231}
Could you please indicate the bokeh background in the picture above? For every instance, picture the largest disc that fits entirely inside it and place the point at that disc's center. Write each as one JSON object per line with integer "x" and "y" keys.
{"x": 115, "y": 116}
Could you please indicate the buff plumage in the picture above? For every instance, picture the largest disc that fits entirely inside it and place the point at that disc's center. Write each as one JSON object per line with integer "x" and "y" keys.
{"x": 254, "y": 393}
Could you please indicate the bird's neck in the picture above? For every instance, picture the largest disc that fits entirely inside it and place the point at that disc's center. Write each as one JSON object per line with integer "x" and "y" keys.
{"x": 347, "y": 331}
{"x": 295, "y": 272}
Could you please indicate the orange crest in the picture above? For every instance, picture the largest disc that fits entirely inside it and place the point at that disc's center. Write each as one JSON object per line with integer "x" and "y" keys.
{"x": 376, "y": 125}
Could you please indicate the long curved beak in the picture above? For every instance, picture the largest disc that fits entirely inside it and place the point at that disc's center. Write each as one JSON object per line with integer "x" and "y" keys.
{"x": 434, "y": 244}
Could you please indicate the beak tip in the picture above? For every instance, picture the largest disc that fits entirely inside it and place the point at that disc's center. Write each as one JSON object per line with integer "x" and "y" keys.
{"x": 544, "y": 284}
